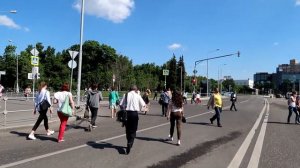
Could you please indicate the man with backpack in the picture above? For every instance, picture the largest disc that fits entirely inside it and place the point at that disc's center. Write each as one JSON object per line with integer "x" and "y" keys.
{"x": 233, "y": 100}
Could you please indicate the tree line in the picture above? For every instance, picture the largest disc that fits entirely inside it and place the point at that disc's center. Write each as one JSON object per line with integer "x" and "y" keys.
{"x": 99, "y": 63}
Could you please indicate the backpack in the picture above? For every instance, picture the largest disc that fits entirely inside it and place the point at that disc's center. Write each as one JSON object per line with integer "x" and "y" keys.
{"x": 165, "y": 98}
{"x": 233, "y": 96}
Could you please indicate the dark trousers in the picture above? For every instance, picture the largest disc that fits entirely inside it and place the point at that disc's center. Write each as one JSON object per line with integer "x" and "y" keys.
{"x": 42, "y": 116}
{"x": 131, "y": 126}
{"x": 175, "y": 117}
{"x": 185, "y": 100}
{"x": 217, "y": 115}
{"x": 164, "y": 108}
{"x": 94, "y": 112}
{"x": 232, "y": 105}
{"x": 291, "y": 110}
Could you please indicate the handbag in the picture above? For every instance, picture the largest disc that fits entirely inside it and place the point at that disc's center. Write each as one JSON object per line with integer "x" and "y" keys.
{"x": 44, "y": 104}
{"x": 66, "y": 108}
{"x": 118, "y": 102}
{"x": 183, "y": 119}
{"x": 86, "y": 113}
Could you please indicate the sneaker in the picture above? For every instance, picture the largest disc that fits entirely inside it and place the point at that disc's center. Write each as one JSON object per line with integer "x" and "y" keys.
{"x": 211, "y": 121}
{"x": 170, "y": 138}
{"x": 62, "y": 140}
{"x": 50, "y": 132}
{"x": 94, "y": 126}
{"x": 178, "y": 143}
{"x": 32, "y": 137}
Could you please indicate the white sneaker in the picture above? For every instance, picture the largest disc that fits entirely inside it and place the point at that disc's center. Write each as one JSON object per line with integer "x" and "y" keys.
{"x": 170, "y": 138}
{"x": 32, "y": 137}
{"x": 50, "y": 132}
{"x": 178, "y": 142}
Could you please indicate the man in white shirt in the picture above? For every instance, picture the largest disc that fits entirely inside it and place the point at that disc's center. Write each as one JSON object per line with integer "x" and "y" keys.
{"x": 132, "y": 102}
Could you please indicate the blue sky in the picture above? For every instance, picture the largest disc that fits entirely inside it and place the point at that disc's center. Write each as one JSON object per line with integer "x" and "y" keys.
{"x": 266, "y": 32}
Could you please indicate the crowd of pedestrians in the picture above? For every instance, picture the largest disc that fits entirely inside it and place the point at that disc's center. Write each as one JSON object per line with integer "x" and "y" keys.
{"x": 172, "y": 103}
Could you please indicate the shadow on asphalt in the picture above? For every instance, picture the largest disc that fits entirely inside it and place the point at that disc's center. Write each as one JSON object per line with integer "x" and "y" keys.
{"x": 42, "y": 137}
{"x": 103, "y": 145}
{"x": 202, "y": 123}
{"x": 156, "y": 139}
{"x": 277, "y": 122}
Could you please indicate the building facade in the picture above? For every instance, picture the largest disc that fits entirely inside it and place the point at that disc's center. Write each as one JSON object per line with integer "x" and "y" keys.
{"x": 247, "y": 82}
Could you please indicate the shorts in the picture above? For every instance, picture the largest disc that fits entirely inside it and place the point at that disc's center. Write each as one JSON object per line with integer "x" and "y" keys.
{"x": 113, "y": 106}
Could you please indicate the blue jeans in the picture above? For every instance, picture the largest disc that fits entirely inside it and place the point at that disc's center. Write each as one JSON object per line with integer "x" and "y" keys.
{"x": 291, "y": 110}
{"x": 217, "y": 115}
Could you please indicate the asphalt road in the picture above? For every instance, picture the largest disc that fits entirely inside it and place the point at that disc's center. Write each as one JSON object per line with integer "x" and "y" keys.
{"x": 254, "y": 136}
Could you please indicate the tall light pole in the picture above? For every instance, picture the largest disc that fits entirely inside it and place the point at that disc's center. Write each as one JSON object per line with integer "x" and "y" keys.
{"x": 80, "y": 53}
{"x": 207, "y": 85}
{"x": 197, "y": 62}
{"x": 220, "y": 79}
{"x": 17, "y": 75}
{"x": 10, "y": 11}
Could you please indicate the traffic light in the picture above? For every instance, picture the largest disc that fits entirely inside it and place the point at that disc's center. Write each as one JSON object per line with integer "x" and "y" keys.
{"x": 194, "y": 81}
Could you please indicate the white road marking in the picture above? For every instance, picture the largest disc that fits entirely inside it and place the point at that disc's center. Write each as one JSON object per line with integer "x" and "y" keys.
{"x": 85, "y": 145}
{"x": 254, "y": 161}
{"x": 236, "y": 161}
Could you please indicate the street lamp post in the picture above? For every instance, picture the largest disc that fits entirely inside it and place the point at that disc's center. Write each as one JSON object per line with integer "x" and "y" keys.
{"x": 197, "y": 62}
{"x": 11, "y": 11}
{"x": 207, "y": 81}
{"x": 220, "y": 79}
{"x": 17, "y": 75}
{"x": 80, "y": 53}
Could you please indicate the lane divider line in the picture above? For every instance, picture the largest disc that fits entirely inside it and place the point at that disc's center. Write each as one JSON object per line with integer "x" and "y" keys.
{"x": 236, "y": 161}
{"x": 85, "y": 145}
{"x": 254, "y": 161}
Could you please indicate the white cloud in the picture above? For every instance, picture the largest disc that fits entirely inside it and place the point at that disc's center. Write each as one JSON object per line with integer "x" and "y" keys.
{"x": 275, "y": 44}
{"x": 6, "y": 21}
{"x": 297, "y": 2}
{"x": 174, "y": 46}
{"x": 114, "y": 10}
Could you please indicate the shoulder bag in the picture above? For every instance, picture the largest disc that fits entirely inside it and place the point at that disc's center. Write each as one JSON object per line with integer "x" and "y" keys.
{"x": 66, "y": 108}
{"x": 44, "y": 104}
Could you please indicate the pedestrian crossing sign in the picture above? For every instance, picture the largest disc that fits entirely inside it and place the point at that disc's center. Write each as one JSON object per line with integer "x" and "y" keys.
{"x": 34, "y": 60}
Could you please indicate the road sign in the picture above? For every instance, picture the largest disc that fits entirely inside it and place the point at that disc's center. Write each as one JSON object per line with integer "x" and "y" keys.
{"x": 34, "y": 52}
{"x": 73, "y": 54}
{"x": 72, "y": 64}
{"x": 166, "y": 72}
{"x": 35, "y": 70}
{"x": 2, "y": 72}
{"x": 31, "y": 76}
{"x": 34, "y": 60}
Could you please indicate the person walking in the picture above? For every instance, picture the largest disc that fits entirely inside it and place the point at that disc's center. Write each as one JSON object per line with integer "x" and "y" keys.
{"x": 175, "y": 114}
{"x": 233, "y": 99}
{"x": 293, "y": 108}
{"x": 155, "y": 95}
{"x": 93, "y": 98}
{"x": 27, "y": 92}
{"x": 185, "y": 94}
{"x": 146, "y": 100}
{"x": 59, "y": 98}
{"x": 1, "y": 90}
{"x": 165, "y": 97}
{"x": 132, "y": 102}
{"x": 193, "y": 97}
{"x": 42, "y": 95}
{"x": 197, "y": 99}
{"x": 215, "y": 101}
{"x": 113, "y": 101}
